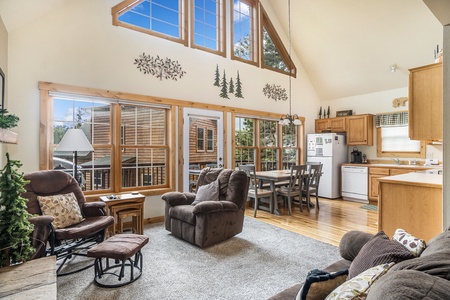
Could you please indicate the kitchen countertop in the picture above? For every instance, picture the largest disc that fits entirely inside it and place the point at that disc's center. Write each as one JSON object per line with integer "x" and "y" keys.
{"x": 395, "y": 166}
{"x": 416, "y": 179}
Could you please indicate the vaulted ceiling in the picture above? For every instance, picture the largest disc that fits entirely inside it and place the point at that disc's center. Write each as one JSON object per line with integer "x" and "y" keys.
{"x": 345, "y": 46}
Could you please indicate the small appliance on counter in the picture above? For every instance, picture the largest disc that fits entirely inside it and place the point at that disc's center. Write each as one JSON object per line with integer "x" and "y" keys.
{"x": 364, "y": 159}
{"x": 356, "y": 156}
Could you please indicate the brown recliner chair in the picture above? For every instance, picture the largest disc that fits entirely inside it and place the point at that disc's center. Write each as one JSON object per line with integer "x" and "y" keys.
{"x": 209, "y": 222}
{"x": 67, "y": 242}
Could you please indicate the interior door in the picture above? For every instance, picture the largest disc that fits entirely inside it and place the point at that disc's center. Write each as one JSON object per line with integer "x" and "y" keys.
{"x": 202, "y": 142}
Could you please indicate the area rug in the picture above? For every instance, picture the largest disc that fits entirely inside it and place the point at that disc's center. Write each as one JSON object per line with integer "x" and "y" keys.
{"x": 369, "y": 207}
{"x": 256, "y": 264}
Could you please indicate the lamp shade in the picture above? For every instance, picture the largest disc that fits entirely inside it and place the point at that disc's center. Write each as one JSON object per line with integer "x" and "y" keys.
{"x": 74, "y": 140}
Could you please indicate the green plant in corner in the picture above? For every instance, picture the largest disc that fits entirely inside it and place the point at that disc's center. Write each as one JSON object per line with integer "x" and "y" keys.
{"x": 8, "y": 120}
{"x": 15, "y": 229}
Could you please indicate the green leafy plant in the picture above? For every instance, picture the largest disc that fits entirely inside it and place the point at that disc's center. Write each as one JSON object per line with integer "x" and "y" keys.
{"x": 15, "y": 229}
{"x": 8, "y": 120}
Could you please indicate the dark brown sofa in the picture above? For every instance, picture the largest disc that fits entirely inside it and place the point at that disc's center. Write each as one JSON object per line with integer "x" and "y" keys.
{"x": 209, "y": 222}
{"x": 423, "y": 277}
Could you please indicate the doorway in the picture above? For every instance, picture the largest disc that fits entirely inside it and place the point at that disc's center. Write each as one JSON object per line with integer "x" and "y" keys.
{"x": 202, "y": 143}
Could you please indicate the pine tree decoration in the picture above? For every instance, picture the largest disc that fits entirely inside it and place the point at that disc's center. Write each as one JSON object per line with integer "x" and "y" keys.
{"x": 231, "y": 87}
{"x": 15, "y": 229}
{"x": 217, "y": 77}
{"x": 238, "y": 93}
{"x": 224, "y": 85}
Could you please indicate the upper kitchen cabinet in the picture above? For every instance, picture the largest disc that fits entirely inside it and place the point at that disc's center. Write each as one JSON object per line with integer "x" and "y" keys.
{"x": 360, "y": 130}
{"x": 425, "y": 103}
{"x": 331, "y": 124}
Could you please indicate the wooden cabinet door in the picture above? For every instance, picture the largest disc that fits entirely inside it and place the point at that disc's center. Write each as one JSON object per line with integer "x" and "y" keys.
{"x": 338, "y": 124}
{"x": 425, "y": 103}
{"x": 360, "y": 130}
{"x": 322, "y": 124}
{"x": 373, "y": 186}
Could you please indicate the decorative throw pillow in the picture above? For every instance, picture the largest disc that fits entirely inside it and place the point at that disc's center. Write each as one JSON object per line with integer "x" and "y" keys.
{"x": 207, "y": 192}
{"x": 64, "y": 208}
{"x": 378, "y": 250}
{"x": 356, "y": 288}
{"x": 410, "y": 242}
{"x": 319, "y": 284}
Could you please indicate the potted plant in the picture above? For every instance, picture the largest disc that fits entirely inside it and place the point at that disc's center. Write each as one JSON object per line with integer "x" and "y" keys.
{"x": 8, "y": 121}
{"x": 15, "y": 229}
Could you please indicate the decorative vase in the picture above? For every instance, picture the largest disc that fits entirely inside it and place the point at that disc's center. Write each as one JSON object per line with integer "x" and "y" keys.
{"x": 8, "y": 136}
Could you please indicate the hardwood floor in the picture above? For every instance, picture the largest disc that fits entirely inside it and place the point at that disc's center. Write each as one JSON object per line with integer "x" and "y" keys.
{"x": 328, "y": 224}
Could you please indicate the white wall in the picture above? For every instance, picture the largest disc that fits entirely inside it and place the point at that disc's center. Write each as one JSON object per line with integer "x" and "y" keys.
{"x": 375, "y": 103}
{"x": 77, "y": 44}
{"x": 4, "y": 67}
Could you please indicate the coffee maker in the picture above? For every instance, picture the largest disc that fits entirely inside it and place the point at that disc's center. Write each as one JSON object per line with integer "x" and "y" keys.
{"x": 356, "y": 156}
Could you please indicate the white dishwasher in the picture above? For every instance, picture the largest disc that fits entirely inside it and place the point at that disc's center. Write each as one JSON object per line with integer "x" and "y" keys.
{"x": 355, "y": 182}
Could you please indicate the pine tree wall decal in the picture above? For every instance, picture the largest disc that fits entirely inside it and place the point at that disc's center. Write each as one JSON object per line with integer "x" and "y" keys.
{"x": 238, "y": 93}
{"x": 224, "y": 85}
{"x": 217, "y": 77}
{"x": 231, "y": 87}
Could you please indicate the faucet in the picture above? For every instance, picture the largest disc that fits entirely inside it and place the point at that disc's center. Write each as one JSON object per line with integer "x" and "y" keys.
{"x": 414, "y": 163}
{"x": 397, "y": 160}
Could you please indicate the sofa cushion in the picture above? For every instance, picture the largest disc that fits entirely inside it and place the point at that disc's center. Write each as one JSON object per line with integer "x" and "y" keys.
{"x": 208, "y": 192}
{"x": 409, "y": 284}
{"x": 410, "y": 242}
{"x": 64, "y": 208}
{"x": 319, "y": 284}
{"x": 357, "y": 287}
{"x": 438, "y": 244}
{"x": 378, "y": 250}
{"x": 352, "y": 242}
{"x": 437, "y": 264}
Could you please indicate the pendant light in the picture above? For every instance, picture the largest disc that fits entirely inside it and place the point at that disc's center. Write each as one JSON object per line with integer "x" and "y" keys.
{"x": 290, "y": 119}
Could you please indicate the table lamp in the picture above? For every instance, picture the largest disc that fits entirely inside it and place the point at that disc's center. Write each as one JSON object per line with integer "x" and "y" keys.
{"x": 74, "y": 140}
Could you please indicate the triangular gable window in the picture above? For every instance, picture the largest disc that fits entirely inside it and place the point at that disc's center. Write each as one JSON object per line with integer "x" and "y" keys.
{"x": 274, "y": 54}
{"x": 163, "y": 18}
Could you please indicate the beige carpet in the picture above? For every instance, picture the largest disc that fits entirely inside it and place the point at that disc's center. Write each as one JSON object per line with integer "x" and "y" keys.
{"x": 255, "y": 264}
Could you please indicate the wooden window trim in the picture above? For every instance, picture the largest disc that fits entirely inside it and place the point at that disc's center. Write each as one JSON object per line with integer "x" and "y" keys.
{"x": 255, "y": 33}
{"x": 221, "y": 34}
{"x": 380, "y": 153}
{"x": 128, "y": 4}
{"x": 265, "y": 22}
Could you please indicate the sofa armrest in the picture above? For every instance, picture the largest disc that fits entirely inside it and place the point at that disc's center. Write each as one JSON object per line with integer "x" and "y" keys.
{"x": 207, "y": 207}
{"x": 352, "y": 242}
{"x": 42, "y": 230}
{"x": 177, "y": 198}
{"x": 94, "y": 209}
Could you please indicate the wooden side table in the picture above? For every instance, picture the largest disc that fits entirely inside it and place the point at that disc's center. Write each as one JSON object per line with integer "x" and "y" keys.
{"x": 124, "y": 202}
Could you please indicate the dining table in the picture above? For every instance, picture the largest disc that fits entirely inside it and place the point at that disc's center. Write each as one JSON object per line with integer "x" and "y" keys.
{"x": 272, "y": 177}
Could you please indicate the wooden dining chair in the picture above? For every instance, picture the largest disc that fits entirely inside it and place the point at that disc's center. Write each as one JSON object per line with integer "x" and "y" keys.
{"x": 312, "y": 185}
{"x": 254, "y": 191}
{"x": 294, "y": 188}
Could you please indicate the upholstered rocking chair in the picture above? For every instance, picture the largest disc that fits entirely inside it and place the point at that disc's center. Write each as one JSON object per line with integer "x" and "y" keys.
{"x": 56, "y": 199}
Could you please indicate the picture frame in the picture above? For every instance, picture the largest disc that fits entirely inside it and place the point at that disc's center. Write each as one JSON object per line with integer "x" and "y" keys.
{"x": 344, "y": 113}
{"x": 2, "y": 87}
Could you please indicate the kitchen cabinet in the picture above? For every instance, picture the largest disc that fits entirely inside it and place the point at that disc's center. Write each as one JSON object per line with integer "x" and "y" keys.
{"x": 360, "y": 130}
{"x": 374, "y": 174}
{"x": 332, "y": 124}
{"x": 412, "y": 202}
{"x": 425, "y": 103}
{"x": 382, "y": 171}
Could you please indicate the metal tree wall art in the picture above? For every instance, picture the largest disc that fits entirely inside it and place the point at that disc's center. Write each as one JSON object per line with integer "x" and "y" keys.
{"x": 228, "y": 88}
{"x": 275, "y": 92}
{"x": 159, "y": 67}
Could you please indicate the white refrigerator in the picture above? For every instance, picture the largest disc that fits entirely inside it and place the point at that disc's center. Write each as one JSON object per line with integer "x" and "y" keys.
{"x": 329, "y": 149}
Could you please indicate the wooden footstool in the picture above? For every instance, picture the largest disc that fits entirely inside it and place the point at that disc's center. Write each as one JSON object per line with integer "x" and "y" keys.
{"x": 120, "y": 247}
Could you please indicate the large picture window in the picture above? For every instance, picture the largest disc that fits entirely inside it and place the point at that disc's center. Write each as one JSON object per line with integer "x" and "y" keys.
{"x": 273, "y": 147}
{"x": 136, "y": 157}
{"x": 244, "y": 31}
